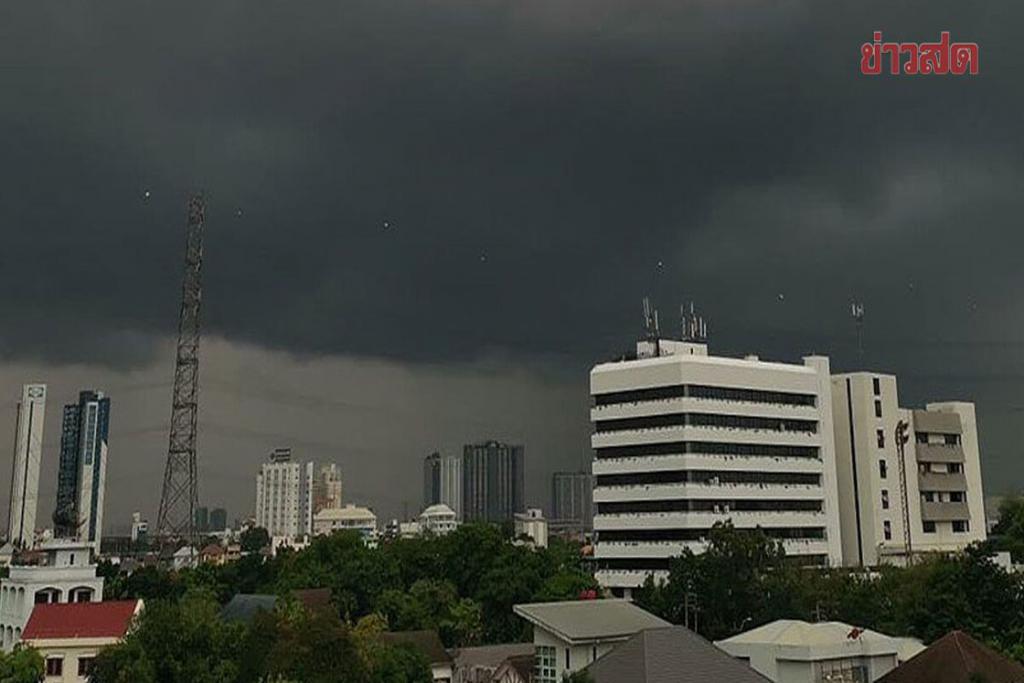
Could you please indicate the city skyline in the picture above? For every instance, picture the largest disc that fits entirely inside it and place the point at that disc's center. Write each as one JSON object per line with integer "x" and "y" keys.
{"x": 531, "y": 216}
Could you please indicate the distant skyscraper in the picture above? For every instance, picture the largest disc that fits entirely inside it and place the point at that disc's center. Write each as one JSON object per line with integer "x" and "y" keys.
{"x": 218, "y": 519}
{"x": 327, "y": 488}
{"x": 572, "y": 496}
{"x": 283, "y": 496}
{"x": 492, "y": 481}
{"x": 28, "y": 446}
{"x": 82, "y": 471}
{"x": 202, "y": 520}
{"x": 442, "y": 481}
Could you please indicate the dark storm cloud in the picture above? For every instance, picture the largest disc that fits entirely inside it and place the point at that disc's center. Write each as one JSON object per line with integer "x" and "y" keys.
{"x": 535, "y": 161}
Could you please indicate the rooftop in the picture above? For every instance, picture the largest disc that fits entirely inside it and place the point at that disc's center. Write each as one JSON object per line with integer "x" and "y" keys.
{"x": 801, "y": 640}
{"x": 670, "y": 655}
{"x": 589, "y": 620}
{"x": 427, "y": 642}
{"x": 81, "y": 620}
{"x": 956, "y": 658}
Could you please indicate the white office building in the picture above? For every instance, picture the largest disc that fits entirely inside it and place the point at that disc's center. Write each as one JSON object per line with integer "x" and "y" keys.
{"x": 67, "y": 574}
{"x": 936, "y": 488}
{"x": 283, "y": 496}
{"x": 28, "y": 447}
{"x": 683, "y": 440}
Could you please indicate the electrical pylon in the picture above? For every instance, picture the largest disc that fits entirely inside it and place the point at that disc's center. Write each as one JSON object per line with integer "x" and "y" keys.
{"x": 178, "y": 501}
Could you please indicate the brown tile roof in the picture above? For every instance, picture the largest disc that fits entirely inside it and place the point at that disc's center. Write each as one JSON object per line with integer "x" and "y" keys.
{"x": 427, "y": 642}
{"x": 956, "y": 658}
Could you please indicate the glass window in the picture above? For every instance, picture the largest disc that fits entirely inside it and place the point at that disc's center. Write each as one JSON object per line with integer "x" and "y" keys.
{"x": 877, "y": 386}
{"x": 54, "y": 666}
{"x": 883, "y": 469}
{"x": 887, "y": 530}
{"x": 546, "y": 664}
{"x": 885, "y": 499}
{"x": 878, "y": 408}
{"x": 880, "y": 436}
{"x": 929, "y": 527}
{"x": 85, "y": 666}
{"x": 961, "y": 526}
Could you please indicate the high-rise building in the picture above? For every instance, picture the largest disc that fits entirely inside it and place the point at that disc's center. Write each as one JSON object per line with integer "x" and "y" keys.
{"x": 327, "y": 488}
{"x": 202, "y": 519}
{"x": 492, "y": 481}
{"x": 572, "y": 501}
{"x": 442, "y": 481}
{"x": 82, "y": 471}
{"x": 683, "y": 440}
{"x": 28, "y": 448}
{"x": 284, "y": 496}
{"x": 931, "y": 501}
{"x": 218, "y": 519}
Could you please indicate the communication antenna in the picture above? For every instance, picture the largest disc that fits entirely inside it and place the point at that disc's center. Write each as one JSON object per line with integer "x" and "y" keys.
{"x": 695, "y": 329}
{"x": 652, "y": 329}
{"x": 179, "y": 497}
{"x": 857, "y": 312}
{"x": 901, "y": 441}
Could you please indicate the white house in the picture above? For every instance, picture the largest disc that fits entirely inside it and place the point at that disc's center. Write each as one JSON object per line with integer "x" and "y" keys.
{"x": 791, "y": 651}
{"x": 348, "y": 518}
{"x": 568, "y": 636}
{"x": 69, "y": 636}
{"x": 67, "y": 574}
{"x": 531, "y": 524}
{"x": 438, "y": 519}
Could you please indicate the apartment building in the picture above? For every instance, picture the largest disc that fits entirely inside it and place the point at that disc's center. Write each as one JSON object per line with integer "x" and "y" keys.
{"x": 930, "y": 500}
{"x": 683, "y": 440}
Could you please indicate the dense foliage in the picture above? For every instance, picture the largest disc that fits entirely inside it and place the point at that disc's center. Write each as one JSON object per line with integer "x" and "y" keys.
{"x": 744, "y": 580}
{"x": 23, "y": 665}
{"x": 1008, "y": 533}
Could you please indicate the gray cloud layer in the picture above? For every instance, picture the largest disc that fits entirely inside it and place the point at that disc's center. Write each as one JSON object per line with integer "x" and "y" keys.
{"x": 536, "y": 161}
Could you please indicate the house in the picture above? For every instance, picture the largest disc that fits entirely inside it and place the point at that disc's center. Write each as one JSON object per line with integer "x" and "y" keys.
{"x": 243, "y": 607}
{"x": 792, "y": 651}
{"x": 674, "y": 654}
{"x": 64, "y": 572}
{"x": 213, "y": 554}
{"x": 70, "y": 635}
{"x": 956, "y": 658}
{"x": 478, "y": 664}
{"x": 429, "y": 644}
{"x": 183, "y": 557}
{"x": 567, "y": 636}
{"x": 515, "y": 669}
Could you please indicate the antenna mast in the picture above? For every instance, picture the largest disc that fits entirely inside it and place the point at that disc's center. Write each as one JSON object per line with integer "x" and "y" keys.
{"x": 901, "y": 441}
{"x": 179, "y": 498}
{"x": 857, "y": 311}
{"x": 694, "y": 328}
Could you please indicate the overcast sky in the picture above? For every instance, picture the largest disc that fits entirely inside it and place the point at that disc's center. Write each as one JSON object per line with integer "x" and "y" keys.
{"x": 541, "y": 166}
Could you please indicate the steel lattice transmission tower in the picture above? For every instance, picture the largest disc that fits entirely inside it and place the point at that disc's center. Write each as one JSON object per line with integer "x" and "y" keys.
{"x": 179, "y": 498}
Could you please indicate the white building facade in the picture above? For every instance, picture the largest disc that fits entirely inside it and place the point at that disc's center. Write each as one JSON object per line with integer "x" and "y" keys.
{"x": 68, "y": 575}
{"x": 283, "y": 496}
{"x": 683, "y": 440}
{"x": 348, "y": 518}
{"x": 28, "y": 448}
{"x": 438, "y": 520}
{"x": 936, "y": 488}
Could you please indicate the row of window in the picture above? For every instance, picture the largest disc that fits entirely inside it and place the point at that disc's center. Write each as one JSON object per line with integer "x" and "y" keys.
{"x": 55, "y": 666}
{"x": 653, "y": 564}
{"x": 706, "y": 420}
{"x": 960, "y": 526}
{"x": 703, "y": 391}
{"x": 645, "y": 535}
{"x": 707, "y": 448}
{"x": 707, "y": 477}
{"x": 716, "y": 506}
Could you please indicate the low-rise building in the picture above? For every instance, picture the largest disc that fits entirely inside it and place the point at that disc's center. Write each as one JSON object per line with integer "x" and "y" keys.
{"x": 478, "y": 664}
{"x": 348, "y": 518}
{"x": 515, "y": 669}
{"x": 953, "y": 658}
{"x": 438, "y": 519}
{"x": 670, "y": 655}
{"x": 792, "y": 651}
{"x": 65, "y": 573}
{"x": 70, "y": 635}
{"x": 568, "y": 636}
{"x": 531, "y": 525}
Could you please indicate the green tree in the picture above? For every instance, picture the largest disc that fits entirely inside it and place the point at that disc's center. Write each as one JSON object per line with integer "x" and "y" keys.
{"x": 254, "y": 539}
{"x": 1009, "y": 530}
{"x": 23, "y": 665}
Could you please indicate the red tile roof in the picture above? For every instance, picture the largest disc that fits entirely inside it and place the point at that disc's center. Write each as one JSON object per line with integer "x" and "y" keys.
{"x": 80, "y": 620}
{"x": 956, "y": 658}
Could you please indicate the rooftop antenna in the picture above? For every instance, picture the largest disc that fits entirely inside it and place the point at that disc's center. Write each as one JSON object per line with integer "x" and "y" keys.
{"x": 857, "y": 312}
{"x": 695, "y": 329}
{"x": 652, "y": 328}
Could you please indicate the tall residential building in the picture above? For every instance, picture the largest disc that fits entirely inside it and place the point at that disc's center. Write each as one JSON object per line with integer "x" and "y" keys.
{"x": 442, "y": 481}
{"x": 327, "y": 488}
{"x": 683, "y": 440}
{"x": 202, "y": 519}
{"x": 218, "y": 519}
{"x": 284, "y": 496}
{"x": 572, "y": 500}
{"x": 938, "y": 485}
{"x": 82, "y": 471}
{"x": 28, "y": 447}
{"x": 492, "y": 481}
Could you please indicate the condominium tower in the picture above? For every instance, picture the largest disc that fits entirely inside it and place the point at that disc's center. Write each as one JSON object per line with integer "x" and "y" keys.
{"x": 931, "y": 500}
{"x": 683, "y": 440}
{"x": 82, "y": 470}
{"x": 28, "y": 447}
{"x": 492, "y": 481}
{"x": 442, "y": 482}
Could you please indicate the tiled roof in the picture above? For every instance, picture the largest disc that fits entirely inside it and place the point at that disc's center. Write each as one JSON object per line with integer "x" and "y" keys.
{"x": 427, "y": 642}
{"x": 956, "y": 658}
{"x": 81, "y": 620}
{"x": 670, "y": 655}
